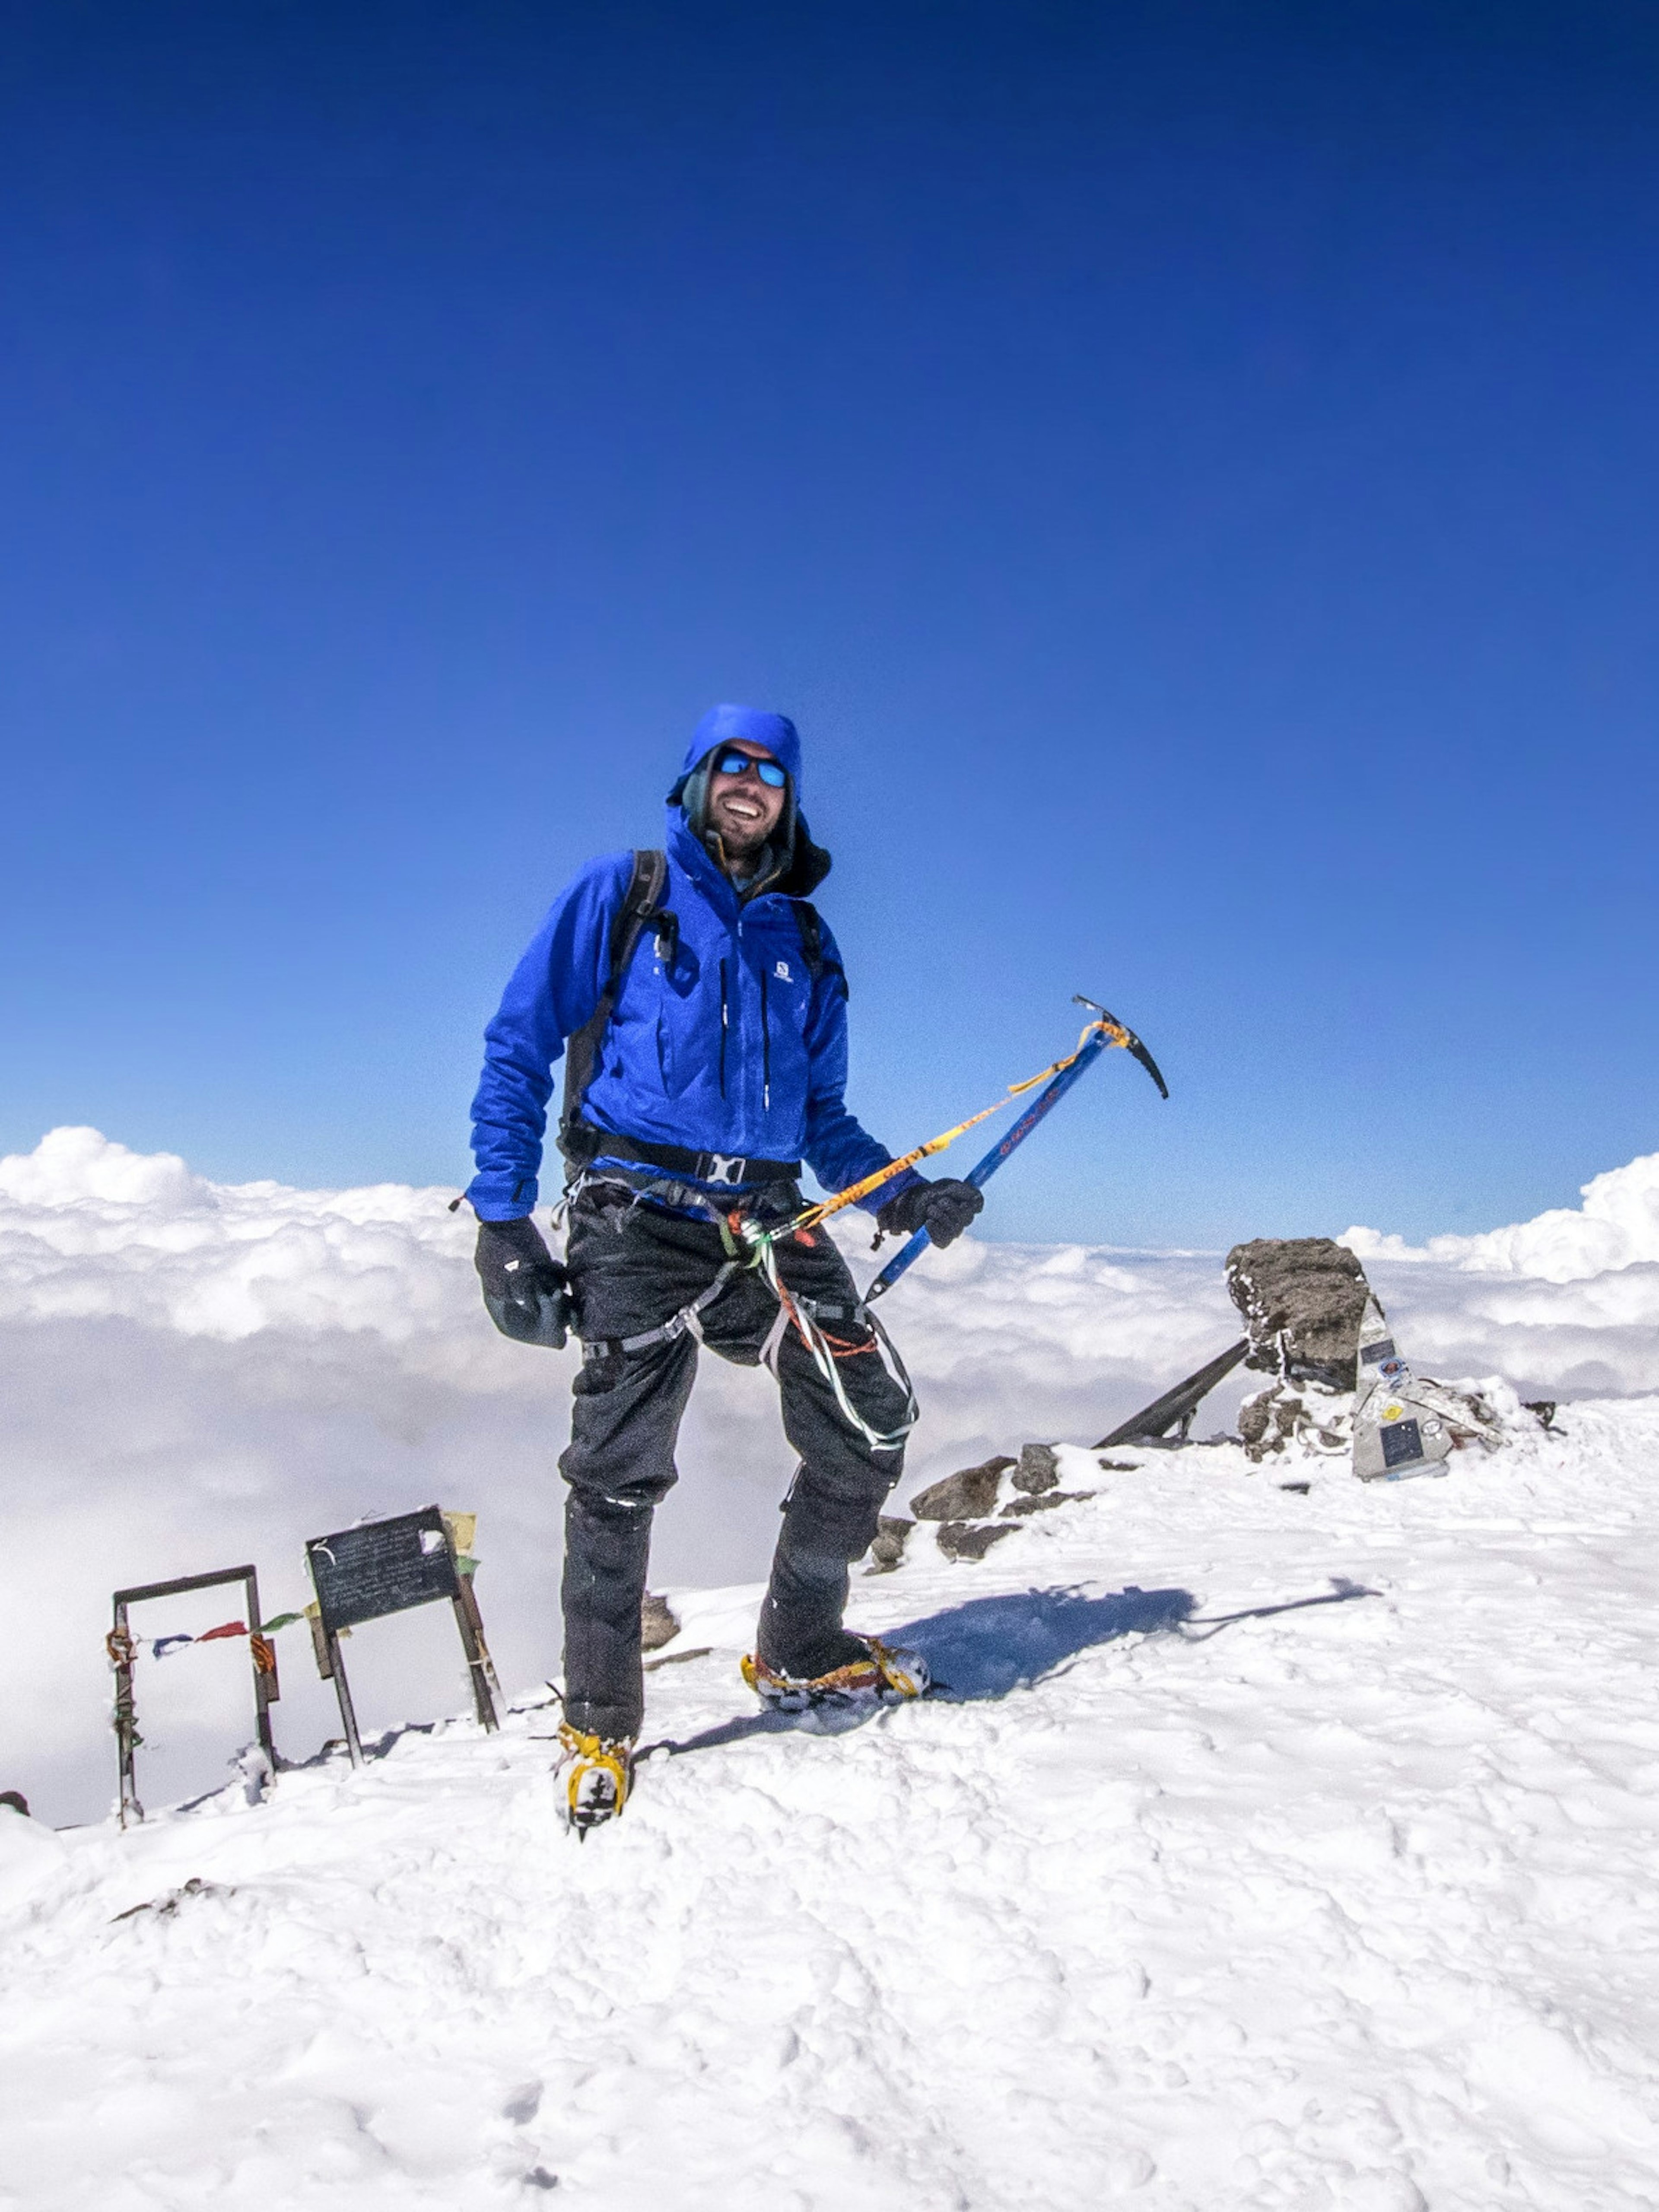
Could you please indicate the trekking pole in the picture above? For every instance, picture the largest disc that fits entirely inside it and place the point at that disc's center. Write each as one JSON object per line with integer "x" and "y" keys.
{"x": 1100, "y": 1036}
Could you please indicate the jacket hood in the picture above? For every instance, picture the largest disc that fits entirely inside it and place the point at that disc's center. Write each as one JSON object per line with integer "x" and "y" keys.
{"x": 754, "y": 726}
{"x": 805, "y": 863}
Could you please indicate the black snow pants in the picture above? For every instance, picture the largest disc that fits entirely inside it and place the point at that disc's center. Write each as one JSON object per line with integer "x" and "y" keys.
{"x": 633, "y": 1268}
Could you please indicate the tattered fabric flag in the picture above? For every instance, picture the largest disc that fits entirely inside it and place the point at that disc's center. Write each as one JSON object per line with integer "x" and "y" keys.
{"x": 163, "y": 1647}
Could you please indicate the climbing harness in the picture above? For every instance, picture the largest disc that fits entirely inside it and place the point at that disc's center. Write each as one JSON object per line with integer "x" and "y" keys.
{"x": 686, "y": 1322}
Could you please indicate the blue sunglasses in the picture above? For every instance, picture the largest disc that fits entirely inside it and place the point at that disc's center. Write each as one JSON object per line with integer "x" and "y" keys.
{"x": 768, "y": 770}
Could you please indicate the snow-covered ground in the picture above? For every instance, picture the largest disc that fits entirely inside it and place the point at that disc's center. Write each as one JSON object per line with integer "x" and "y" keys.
{"x": 1346, "y": 1903}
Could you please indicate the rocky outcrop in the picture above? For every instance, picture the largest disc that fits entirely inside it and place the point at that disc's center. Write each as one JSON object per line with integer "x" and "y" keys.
{"x": 1302, "y": 1299}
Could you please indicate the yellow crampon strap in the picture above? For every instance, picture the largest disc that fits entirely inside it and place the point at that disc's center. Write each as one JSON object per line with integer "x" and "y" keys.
{"x": 585, "y": 1751}
{"x": 855, "y": 1191}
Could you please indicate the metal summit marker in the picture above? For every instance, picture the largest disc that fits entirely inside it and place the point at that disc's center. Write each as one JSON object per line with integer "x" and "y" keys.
{"x": 382, "y": 1567}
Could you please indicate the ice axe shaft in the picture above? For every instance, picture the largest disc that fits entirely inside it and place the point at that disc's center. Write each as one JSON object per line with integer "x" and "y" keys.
{"x": 1106, "y": 1033}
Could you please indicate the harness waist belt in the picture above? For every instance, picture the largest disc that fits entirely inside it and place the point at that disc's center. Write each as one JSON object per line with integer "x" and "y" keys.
{"x": 581, "y": 1142}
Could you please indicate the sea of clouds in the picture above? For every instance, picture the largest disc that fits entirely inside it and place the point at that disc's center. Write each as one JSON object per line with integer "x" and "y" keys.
{"x": 197, "y": 1375}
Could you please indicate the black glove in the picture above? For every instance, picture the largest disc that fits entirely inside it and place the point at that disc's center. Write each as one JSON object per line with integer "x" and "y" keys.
{"x": 943, "y": 1209}
{"x": 525, "y": 1290}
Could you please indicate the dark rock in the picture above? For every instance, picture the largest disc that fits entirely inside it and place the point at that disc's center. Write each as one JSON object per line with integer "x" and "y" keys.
{"x": 1118, "y": 1466}
{"x": 1302, "y": 1299}
{"x": 888, "y": 1549}
{"x": 166, "y": 1908}
{"x": 966, "y": 1539}
{"x": 1255, "y": 1418}
{"x": 17, "y": 1800}
{"x": 658, "y": 1626}
{"x": 1038, "y": 1468}
{"x": 1017, "y": 1507}
{"x": 961, "y": 1496}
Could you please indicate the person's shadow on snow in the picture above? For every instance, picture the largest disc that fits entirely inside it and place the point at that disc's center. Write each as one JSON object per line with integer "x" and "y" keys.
{"x": 992, "y": 1645}
{"x": 988, "y": 1647}
{"x": 983, "y": 1648}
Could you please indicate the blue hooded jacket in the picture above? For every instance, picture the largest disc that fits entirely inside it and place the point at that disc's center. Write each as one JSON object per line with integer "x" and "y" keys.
{"x": 729, "y": 1046}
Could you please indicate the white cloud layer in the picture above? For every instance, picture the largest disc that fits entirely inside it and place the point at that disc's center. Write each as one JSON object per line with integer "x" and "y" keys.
{"x": 1617, "y": 1227}
{"x": 195, "y": 1375}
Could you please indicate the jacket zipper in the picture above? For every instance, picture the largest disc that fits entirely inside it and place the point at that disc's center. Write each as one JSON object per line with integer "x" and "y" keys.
{"x": 723, "y": 1020}
{"x": 766, "y": 1050}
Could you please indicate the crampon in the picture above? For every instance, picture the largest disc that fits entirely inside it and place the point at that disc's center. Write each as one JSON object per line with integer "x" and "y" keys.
{"x": 596, "y": 1788}
{"x": 877, "y": 1675}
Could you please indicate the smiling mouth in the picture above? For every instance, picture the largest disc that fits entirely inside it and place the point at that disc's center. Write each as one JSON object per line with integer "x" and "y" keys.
{"x": 742, "y": 808}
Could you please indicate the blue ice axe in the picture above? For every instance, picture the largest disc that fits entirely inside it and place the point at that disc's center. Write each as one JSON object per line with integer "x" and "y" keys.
{"x": 1108, "y": 1031}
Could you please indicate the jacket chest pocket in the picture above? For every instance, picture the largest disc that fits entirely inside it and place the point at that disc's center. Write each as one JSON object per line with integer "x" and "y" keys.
{"x": 694, "y": 1012}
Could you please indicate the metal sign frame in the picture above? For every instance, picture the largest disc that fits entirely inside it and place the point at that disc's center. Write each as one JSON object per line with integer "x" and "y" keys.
{"x": 122, "y": 1650}
{"x": 383, "y": 1567}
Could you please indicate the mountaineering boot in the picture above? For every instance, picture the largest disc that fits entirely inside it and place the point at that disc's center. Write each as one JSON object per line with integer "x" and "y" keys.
{"x": 600, "y": 1773}
{"x": 870, "y": 1672}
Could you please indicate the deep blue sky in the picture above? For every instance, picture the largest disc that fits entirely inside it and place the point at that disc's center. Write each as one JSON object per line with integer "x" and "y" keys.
{"x": 1191, "y": 471}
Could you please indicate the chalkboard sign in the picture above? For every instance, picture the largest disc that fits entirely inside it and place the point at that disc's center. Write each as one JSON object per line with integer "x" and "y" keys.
{"x": 387, "y": 1566}
{"x": 384, "y": 1566}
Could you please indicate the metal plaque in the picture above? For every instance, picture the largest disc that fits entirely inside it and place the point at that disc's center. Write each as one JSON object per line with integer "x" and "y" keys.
{"x": 385, "y": 1566}
{"x": 1403, "y": 1443}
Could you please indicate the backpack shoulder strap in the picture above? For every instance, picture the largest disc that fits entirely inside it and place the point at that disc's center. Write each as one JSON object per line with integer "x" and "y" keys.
{"x": 642, "y": 902}
{"x": 818, "y": 963}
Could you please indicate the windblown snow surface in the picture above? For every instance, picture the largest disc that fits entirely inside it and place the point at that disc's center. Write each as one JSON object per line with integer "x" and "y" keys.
{"x": 1267, "y": 1849}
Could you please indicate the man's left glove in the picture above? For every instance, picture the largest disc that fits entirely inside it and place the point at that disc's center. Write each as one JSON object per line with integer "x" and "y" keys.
{"x": 525, "y": 1290}
{"x": 943, "y": 1209}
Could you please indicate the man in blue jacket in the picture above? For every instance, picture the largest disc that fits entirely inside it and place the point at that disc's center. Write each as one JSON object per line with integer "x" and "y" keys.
{"x": 707, "y": 1058}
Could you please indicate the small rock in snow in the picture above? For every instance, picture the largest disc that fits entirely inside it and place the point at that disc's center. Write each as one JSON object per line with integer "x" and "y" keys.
{"x": 1038, "y": 1468}
{"x": 964, "y": 1539}
{"x": 888, "y": 1549}
{"x": 963, "y": 1496}
{"x": 657, "y": 1625}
